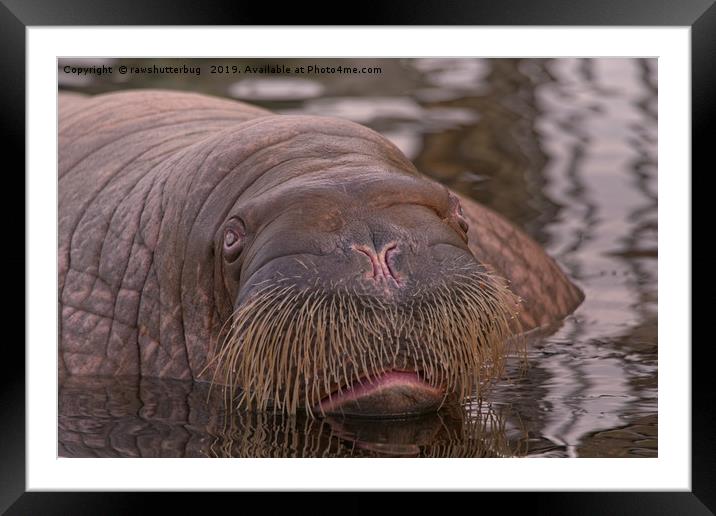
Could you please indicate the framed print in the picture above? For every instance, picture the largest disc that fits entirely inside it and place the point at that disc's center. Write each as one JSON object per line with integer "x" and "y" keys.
{"x": 441, "y": 249}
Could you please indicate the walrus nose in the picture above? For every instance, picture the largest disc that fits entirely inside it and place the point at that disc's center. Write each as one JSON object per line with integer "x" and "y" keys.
{"x": 382, "y": 269}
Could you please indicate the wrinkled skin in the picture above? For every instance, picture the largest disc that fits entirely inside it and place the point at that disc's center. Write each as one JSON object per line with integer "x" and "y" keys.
{"x": 175, "y": 208}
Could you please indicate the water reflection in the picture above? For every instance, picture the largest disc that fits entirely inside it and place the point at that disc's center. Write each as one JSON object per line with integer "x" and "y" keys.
{"x": 566, "y": 149}
{"x": 132, "y": 417}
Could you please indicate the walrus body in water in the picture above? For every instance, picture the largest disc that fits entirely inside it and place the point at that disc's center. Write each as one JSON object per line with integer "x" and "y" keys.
{"x": 301, "y": 262}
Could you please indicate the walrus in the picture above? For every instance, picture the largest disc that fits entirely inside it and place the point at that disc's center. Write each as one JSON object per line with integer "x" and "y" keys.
{"x": 300, "y": 262}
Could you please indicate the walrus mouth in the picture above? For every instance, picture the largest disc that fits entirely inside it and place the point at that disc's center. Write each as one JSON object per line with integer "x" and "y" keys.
{"x": 391, "y": 394}
{"x": 288, "y": 346}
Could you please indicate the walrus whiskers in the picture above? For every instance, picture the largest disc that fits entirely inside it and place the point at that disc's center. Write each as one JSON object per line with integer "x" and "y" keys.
{"x": 287, "y": 347}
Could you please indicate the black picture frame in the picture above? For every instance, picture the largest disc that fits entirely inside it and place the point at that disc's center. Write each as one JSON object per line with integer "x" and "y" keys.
{"x": 17, "y": 15}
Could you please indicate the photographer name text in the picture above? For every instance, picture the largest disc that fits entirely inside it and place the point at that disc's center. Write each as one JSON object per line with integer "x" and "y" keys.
{"x": 219, "y": 69}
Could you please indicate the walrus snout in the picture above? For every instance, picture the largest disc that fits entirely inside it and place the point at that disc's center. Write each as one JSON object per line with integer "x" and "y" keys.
{"x": 389, "y": 394}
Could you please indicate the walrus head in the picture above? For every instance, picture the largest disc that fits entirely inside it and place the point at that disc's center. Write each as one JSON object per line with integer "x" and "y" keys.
{"x": 349, "y": 279}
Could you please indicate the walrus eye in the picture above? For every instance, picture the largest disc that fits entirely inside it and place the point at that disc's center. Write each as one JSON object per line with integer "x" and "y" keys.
{"x": 463, "y": 224}
{"x": 231, "y": 237}
{"x": 459, "y": 216}
{"x": 234, "y": 234}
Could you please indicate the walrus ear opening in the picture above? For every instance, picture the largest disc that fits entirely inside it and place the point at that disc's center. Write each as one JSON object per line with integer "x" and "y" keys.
{"x": 234, "y": 238}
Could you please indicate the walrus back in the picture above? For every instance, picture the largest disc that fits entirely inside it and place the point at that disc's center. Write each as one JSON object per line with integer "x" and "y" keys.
{"x": 546, "y": 294}
{"x": 110, "y": 210}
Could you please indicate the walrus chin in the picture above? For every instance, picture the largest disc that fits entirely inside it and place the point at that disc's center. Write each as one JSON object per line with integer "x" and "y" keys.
{"x": 334, "y": 350}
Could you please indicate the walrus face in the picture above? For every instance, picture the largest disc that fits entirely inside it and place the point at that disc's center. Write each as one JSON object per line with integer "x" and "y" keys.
{"x": 358, "y": 297}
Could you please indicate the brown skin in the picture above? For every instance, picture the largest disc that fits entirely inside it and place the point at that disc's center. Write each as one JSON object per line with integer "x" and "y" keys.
{"x": 174, "y": 208}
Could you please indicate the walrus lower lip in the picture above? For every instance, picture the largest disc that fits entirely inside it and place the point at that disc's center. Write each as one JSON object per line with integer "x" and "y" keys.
{"x": 389, "y": 394}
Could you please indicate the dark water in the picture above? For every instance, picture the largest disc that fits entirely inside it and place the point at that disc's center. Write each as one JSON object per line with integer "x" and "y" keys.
{"x": 566, "y": 149}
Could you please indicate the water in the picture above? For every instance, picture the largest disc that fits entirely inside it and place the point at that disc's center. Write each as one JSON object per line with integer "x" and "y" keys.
{"x": 564, "y": 148}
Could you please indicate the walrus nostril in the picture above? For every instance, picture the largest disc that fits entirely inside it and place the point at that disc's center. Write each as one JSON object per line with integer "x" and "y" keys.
{"x": 381, "y": 269}
{"x": 388, "y": 256}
